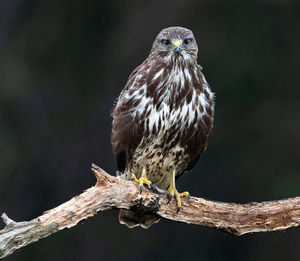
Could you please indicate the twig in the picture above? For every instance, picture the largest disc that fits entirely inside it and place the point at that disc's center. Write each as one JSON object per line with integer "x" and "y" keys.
{"x": 117, "y": 192}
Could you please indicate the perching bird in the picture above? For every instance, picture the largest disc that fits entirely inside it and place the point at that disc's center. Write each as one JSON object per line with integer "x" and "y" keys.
{"x": 163, "y": 118}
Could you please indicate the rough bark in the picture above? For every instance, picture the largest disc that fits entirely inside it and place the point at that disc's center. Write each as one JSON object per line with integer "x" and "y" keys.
{"x": 115, "y": 192}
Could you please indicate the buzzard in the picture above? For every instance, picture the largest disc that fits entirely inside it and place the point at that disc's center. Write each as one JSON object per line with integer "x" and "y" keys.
{"x": 163, "y": 118}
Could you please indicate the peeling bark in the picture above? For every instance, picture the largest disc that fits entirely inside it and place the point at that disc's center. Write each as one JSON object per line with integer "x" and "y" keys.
{"x": 115, "y": 192}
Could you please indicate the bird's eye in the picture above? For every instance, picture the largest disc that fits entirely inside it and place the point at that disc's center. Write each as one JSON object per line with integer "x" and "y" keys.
{"x": 166, "y": 42}
{"x": 187, "y": 41}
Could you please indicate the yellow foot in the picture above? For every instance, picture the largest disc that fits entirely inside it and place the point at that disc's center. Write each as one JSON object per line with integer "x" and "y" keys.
{"x": 173, "y": 192}
{"x": 142, "y": 180}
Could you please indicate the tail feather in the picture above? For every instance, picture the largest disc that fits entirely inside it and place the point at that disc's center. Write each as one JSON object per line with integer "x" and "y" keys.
{"x": 136, "y": 218}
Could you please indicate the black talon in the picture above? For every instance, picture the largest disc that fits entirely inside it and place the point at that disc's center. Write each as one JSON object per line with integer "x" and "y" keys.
{"x": 178, "y": 209}
{"x": 170, "y": 198}
{"x": 152, "y": 186}
{"x": 189, "y": 197}
{"x": 141, "y": 189}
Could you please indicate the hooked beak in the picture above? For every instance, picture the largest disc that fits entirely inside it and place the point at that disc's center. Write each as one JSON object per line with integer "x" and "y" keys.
{"x": 177, "y": 46}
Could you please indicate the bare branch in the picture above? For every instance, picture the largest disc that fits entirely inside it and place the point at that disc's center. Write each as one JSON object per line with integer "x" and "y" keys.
{"x": 116, "y": 192}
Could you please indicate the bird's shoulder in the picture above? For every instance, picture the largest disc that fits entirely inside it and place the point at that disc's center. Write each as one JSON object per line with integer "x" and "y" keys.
{"x": 126, "y": 129}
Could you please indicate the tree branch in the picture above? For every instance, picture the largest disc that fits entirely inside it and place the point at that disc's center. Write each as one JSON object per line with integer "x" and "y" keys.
{"x": 115, "y": 192}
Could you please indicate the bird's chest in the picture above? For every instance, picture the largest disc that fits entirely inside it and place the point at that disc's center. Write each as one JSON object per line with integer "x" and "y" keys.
{"x": 169, "y": 113}
{"x": 161, "y": 150}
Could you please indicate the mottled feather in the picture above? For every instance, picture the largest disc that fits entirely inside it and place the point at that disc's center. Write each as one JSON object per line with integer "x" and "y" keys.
{"x": 164, "y": 115}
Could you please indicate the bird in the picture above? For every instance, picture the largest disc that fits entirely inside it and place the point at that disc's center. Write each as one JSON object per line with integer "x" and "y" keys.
{"x": 162, "y": 119}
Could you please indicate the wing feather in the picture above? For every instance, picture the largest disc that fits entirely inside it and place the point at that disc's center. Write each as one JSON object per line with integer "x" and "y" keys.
{"x": 127, "y": 131}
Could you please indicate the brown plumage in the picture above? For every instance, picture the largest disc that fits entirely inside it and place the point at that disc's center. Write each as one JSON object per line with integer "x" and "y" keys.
{"x": 164, "y": 115}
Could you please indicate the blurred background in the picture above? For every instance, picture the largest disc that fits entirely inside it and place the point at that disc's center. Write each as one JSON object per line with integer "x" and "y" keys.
{"x": 62, "y": 65}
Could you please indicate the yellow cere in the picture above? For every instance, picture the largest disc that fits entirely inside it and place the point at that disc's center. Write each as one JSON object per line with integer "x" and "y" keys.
{"x": 177, "y": 43}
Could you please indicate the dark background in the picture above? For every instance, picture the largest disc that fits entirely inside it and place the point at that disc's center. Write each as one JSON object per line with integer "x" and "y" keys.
{"x": 63, "y": 63}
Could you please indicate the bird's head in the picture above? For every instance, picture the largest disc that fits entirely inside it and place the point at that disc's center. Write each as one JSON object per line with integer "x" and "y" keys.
{"x": 175, "y": 44}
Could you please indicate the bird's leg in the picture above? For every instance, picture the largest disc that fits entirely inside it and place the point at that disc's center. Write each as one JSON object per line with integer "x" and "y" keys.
{"x": 173, "y": 192}
{"x": 142, "y": 180}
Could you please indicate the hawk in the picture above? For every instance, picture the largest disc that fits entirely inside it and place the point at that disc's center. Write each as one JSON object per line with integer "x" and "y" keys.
{"x": 163, "y": 118}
